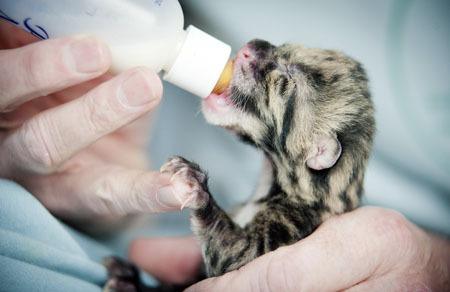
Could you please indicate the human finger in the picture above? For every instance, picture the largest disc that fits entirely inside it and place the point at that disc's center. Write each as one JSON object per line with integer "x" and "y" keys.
{"x": 87, "y": 191}
{"x": 48, "y": 139}
{"x": 48, "y": 66}
{"x": 173, "y": 260}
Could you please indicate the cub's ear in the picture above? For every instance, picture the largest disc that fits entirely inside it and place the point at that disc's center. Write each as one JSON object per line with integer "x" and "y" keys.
{"x": 324, "y": 153}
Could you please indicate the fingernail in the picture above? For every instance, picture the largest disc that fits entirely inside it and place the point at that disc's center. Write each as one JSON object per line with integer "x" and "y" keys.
{"x": 166, "y": 198}
{"x": 140, "y": 88}
{"x": 88, "y": 54}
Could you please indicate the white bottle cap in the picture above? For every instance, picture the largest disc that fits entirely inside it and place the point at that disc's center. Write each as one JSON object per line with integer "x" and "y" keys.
{"x": 201, "y": 60}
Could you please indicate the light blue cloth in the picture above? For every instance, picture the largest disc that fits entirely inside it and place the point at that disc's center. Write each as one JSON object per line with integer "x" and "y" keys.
{"x": 39, "y": 253}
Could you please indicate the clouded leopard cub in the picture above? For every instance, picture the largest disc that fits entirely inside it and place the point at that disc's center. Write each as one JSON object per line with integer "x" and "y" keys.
{"x": 310, "y": 112}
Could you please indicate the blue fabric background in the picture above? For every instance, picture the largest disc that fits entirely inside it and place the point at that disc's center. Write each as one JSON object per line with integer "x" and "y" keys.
{"x": 39, "y": 253}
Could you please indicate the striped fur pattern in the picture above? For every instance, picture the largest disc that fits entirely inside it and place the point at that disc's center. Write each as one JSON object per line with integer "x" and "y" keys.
{"x": 282, "y": 101}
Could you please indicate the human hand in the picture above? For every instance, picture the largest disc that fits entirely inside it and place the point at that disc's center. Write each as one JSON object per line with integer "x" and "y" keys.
{"x": 369, "y": 249}
{"x": 74, "y": 135}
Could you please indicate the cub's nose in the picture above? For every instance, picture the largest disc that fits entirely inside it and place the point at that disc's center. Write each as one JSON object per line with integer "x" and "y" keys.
{"x": 255, "y": 50}
{"x": 246, "y": 54}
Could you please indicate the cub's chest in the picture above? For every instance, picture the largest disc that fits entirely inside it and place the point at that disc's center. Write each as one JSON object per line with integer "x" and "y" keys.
{"x": 247, "y": 212}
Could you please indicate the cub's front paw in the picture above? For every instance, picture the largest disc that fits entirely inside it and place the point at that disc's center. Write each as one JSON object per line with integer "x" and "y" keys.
{"x": 189, "y": 182}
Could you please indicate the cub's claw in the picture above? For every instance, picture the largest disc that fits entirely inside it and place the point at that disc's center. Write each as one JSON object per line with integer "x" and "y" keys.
{"x": 189, "y": 182}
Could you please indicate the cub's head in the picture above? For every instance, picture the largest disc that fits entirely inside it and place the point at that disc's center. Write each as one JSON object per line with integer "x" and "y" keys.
{"x": 302, "y": 106}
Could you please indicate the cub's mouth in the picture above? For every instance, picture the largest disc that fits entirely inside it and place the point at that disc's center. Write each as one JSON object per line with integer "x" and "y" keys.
{"x": 243, "y": 67}
{"x": 236, "y": 105}
{"x": 219, "y": 103}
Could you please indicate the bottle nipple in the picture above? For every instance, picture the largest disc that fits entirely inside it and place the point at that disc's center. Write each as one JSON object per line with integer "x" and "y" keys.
{"x": 224, "y": 79}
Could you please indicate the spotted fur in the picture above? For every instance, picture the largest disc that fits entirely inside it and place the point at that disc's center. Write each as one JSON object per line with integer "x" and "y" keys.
{"x": 284, "y": 99}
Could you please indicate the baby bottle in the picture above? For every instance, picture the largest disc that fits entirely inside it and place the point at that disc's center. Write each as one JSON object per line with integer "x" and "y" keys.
{"x": 139, "y": 33}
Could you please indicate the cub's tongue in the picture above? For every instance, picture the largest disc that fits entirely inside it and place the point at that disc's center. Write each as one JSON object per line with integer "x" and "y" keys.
{"x": 224, "y": 79}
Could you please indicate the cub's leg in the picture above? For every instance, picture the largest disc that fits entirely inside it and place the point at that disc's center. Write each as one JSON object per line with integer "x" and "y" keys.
{"x": 225, "y": 245}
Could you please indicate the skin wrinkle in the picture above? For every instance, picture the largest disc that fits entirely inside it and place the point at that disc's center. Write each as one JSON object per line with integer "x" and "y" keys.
{"x": 335, "y": 236}
{"x": 392, "y": 233}
{"x": 41, "y": 154}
